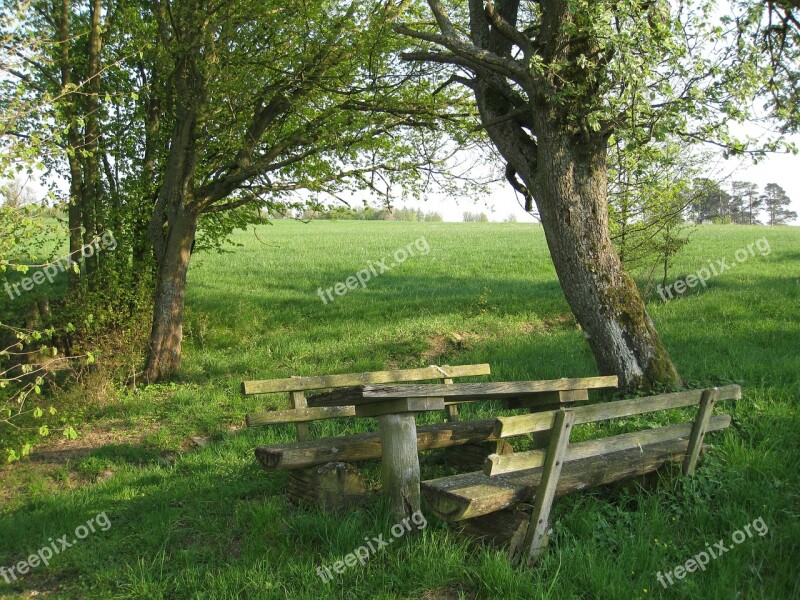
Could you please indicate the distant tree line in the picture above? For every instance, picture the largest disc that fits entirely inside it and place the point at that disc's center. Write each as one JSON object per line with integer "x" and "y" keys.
{"x": 368, "y": 213}
{"x": 475, "y": 217}
{"x": 742, "y": 204}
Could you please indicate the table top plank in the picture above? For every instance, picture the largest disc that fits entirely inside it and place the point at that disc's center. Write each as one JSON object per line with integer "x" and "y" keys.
{"x": 368, "y": 394}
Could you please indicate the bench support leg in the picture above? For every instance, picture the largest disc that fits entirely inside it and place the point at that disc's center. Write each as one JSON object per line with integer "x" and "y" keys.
{"x": 536, "y": 536}
{"x": 452, "y": 409}
{"x": 299, "y": 401}
{"x": 400, "y": 463}
{"x": 707, "y": 401}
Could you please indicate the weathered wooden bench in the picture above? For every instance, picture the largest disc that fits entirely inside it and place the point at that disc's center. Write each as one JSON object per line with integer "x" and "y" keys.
{"x": 320, "y": 470}
{"x": 339, "y": 482}
{"x": 484, "y": 501}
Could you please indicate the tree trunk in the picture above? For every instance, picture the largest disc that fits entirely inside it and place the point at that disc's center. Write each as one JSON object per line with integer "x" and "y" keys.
{"x": 538, "y": 119}
{"x": 571, "y": 196}
{"x": 92, "y": 188}
{"x": 167, "y": 331}
{"x": 75, "y": 216}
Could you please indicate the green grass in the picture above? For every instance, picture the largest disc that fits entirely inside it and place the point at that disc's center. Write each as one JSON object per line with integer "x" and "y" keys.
{"x": 208, "y": 523}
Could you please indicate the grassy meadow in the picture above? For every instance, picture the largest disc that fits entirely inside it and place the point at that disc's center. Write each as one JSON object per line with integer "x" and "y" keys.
{"x": 207, "y": 522}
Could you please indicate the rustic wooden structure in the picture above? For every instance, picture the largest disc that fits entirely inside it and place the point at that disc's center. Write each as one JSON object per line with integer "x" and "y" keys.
{"x": 399, "y": 441}
{"x": 485, "y": 500}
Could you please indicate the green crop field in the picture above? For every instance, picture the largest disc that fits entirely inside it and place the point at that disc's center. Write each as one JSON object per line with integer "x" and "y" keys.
{"x": 207, "y": 522}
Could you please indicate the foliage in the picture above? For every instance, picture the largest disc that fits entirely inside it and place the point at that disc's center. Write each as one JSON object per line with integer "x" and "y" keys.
{"x": 369, "y": 213}
{"x": 649, "y": 192}
{"x": 28, "y": 355}
{"x": 775, "y": 203}
{"x": 742, "y": 205}
{"x": 470, "y": 217}
{"x": 769, "y": 33}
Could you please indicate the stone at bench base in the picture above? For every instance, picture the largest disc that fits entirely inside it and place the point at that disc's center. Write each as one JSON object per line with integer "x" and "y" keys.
{"x": 332, "y": 487}
{"x": 501, "y": 529}
{"x": 472, "y": 456}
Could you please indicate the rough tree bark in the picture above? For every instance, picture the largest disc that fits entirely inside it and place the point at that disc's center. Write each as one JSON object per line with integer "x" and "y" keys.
{"x": 167, "y": 330}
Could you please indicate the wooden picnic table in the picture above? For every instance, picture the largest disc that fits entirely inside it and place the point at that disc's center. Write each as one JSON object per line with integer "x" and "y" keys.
{"x": 395, "y": 407}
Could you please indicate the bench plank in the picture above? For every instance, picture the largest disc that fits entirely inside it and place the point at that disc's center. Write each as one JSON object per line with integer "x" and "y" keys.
{"x": 524, "y": 424}
{"x": 497, "y": 464}
{"x": 299, "y": 415}
{"x": 470, "y": 495}
{"x": 463, "y": 391}
{"x": 290, "y": 384}
{"x": 399, "y": 405}
{"x": 367, "y": 445}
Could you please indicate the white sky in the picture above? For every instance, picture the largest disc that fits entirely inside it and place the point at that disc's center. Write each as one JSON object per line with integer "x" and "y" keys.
{"x": 783, "y": 169}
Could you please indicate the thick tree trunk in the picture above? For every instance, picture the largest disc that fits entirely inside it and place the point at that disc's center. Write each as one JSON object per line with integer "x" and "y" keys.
{"x": 167, "y": 331}
{"x": 571, "y": 194}
{"x": 173, "y": 223}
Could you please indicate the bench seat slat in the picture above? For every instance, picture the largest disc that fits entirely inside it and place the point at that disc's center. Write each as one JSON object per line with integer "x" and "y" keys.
{"x": 463, "y": 391}
{"x": 299, "y": 415}
{"x": 470, "y": 495}
{"x": 367, "y": 445}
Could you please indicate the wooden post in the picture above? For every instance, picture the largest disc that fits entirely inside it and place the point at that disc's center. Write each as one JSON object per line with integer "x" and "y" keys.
{"x": 451, "y": 409}
{"x": 707, "y": 401}
{"x": 299, "y": 401}
{"x": 400, "y": 463}
{"x": 536, "y": 536}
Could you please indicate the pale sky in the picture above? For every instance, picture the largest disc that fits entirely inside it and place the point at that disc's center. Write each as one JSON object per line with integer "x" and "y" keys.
{"x": 783, "y": 169}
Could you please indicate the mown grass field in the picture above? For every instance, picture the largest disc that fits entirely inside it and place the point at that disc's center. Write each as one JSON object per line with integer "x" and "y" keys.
{"x": 209, "y": 523}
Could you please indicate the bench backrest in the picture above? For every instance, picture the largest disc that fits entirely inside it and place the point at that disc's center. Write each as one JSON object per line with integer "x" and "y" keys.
{"x": 559, "y": 451}
{"x": 507, "y": 427}
{"x": 301, "y": 414}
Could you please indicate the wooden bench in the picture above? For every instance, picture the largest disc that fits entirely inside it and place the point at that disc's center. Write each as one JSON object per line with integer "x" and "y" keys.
{"x": 483, "y": 501}
{"x": 319, "y": 485}
{"x": 301, "y": 414}
{"x": 320, "y": 470}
